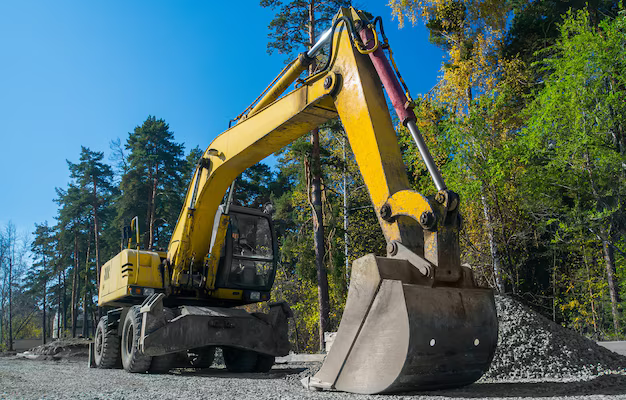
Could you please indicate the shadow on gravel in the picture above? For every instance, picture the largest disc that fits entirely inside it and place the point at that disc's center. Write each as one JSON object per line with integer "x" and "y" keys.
{"x": 277, "y": 373}
{"x": 602, "y": 385}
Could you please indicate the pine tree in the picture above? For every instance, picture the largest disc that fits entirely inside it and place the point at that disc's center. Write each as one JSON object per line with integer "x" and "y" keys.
{"x": 253, "y": 187}
{"x": 96, "y": 180}
{"x": 151, "y": 185}
{"x": 72, "y": 222}
{"x": 42, "y": 269}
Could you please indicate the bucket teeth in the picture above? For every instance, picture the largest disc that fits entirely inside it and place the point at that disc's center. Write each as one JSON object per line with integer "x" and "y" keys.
{"x": 398, "y": 334}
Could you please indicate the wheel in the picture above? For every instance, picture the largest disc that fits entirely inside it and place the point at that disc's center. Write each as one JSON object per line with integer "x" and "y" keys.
{"x": 238, "y": 360}
{"x": 162, "y": 364}
{"x": 264, "y": 363}
{"x": 132, "y": 359}
{"x": 106, "y": 345}
{"x": 201, "y": 357}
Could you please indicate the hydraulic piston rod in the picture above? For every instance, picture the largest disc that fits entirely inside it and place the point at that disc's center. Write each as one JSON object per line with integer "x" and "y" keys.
{"x": 293, "y": 72}
{"x": 428, "y": 159}
{"x": 400, "y": 102}
{"x": 325, "y": 37}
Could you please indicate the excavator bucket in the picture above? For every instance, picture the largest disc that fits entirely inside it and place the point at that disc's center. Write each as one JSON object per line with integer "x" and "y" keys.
{"x": 399, "y": 334}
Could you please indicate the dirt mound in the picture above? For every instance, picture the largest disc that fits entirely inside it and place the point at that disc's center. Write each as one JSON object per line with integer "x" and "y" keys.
{"x": 63, "y": 348}
{"x": 531, "y": 346}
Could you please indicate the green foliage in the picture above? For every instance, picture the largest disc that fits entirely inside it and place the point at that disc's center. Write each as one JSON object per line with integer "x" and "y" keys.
{"x": 289, "y": 30}
{"x": 151, "y": 185}
{"x": 526, "y": 124}
{"x": 44, "y": 252}
{"x": 536, "y": 24}
{"x": 575, "y": 145}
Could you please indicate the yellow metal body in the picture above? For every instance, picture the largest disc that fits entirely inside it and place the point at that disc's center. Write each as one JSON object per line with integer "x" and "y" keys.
{"x": 128, "y": 269}
{"x": 215, "y": 254}
{"x": 350, "y": 89}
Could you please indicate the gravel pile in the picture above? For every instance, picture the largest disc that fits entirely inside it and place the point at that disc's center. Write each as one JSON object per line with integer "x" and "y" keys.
{"x": 531, "y": 346}
{"x": 66, "y": 348}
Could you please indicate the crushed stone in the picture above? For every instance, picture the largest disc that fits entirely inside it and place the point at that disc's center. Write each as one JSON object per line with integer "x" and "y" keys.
{"x": 531, "y": 346}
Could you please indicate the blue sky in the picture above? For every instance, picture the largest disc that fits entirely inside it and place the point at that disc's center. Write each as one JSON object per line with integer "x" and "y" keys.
{"x": 78, "y": 73}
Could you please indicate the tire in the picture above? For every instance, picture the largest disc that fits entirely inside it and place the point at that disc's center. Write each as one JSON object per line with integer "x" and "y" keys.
{"x": 162, "y": 364}
{"x": 264, "y": 363}
{"x": 238, "y": 360}
{"x": 202, "y": 357}
{"x": 132, "y": 359}
{"x": 106, "y": 345}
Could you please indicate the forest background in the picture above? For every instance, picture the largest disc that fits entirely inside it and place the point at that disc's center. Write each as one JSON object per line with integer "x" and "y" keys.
{"x": 526, "y": 123}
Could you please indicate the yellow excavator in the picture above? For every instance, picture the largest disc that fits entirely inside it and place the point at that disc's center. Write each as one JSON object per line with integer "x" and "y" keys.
{"x": 413, "y": 320}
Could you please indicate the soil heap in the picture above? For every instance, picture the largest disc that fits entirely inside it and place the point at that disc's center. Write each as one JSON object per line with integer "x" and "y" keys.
{"x": 63, "y": 348}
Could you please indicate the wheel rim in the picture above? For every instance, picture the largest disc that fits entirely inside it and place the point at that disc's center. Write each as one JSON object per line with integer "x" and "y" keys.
{"x": 129, "y": 340}
{"x": 99, "y": 342}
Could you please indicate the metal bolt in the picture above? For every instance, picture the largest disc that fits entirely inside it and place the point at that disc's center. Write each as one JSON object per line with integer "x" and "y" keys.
{"x": 385, "y": 212}
{"x": 427, "y": 219}
{"x": 327, "y": 82}
{"x": 440, "y": 198}
{"x": 392, "y": 248}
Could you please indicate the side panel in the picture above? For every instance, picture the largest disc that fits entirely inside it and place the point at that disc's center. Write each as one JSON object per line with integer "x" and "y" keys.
{"x": 129, "y": 267}
{"x": 215, "y": 326}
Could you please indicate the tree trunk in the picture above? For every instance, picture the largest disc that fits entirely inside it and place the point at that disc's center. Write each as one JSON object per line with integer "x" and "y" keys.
{"x": 43, "y": 316}
{"x": 152, "y": 207}
{"x": 86, "y": 287}
{"x": 318, "y": 240}
{"x": 607, "y": 249}
{"x": 593, "y": 306}
{"x": 495, "y": 258}
{"x": 59, "y": 306}
{"x": 316, "y": 200}
{"x": 74, "y": 286}
{"x": 553, "y": 285}
{"x": 96, "y": 232}
{"x": 609, "y": 261}
{"x": 11, "y": 259}
{"x": 3, "y": 250}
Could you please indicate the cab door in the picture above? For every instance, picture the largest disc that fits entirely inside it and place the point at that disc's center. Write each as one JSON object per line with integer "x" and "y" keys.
{"x": 249, "y": 258}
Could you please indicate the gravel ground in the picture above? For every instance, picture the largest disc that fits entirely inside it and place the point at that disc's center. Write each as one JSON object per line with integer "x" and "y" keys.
{"x": 535, "y": 359}
{"x": 27, "y": 379}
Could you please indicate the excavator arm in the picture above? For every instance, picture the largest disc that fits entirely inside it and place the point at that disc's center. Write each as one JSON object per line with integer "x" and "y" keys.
{"x": 414, "y": 319}
{"x": 350, "y": 87}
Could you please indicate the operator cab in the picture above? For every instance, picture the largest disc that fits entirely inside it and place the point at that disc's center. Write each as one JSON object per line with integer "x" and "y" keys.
{"x": 248, "y": 257}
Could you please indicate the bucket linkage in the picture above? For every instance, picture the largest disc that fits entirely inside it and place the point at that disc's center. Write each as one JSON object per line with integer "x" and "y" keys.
{"x": 412, "y": 322}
